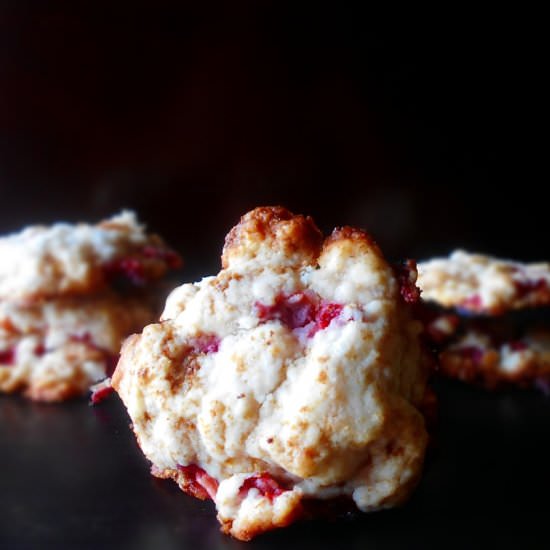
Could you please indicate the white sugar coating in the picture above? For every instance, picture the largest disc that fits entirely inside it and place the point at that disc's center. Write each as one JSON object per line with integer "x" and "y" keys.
{"x": 483, "y": 283}
{"x": 56, "y": 349}
{"x": 49, "y": 261}
{"x": 326, "y": 406}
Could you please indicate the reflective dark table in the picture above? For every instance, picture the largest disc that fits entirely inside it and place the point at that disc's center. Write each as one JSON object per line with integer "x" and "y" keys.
{"x": 71, "y": 476}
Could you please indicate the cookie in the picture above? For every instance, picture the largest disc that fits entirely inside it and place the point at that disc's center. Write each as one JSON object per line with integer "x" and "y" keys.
{"x": 511, "y": 349}
{"x": 48, "y": 262}
{"x": 295, "y": 374}
{"x": 55, "y": 350}
{"x": 483, "y": 284}
{"x": 476, "y": 357}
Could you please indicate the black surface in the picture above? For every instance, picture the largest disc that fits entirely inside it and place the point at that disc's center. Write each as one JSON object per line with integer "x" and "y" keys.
{"x": 427, "y": 135}
{"x": 73, "y": 477}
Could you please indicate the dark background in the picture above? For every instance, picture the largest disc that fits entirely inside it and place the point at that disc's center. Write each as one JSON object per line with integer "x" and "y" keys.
{"x": 424, "y": 133}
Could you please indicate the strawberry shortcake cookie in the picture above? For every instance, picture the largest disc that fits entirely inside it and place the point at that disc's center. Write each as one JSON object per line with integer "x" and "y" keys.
{"x": 292, "y": 377}
{"x": 474, "y": 310}
{"x": 483, "y": 284}
{"x": 69, "y": 295}
{"x": 43, "y": 262}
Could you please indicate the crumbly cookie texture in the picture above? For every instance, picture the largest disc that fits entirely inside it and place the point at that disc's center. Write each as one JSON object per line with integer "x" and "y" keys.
{"x": 483, "y": 284}
{"x": 294, "y": 374}
{"x": 64, "y": 259}
{"x": 55, "y": 350}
